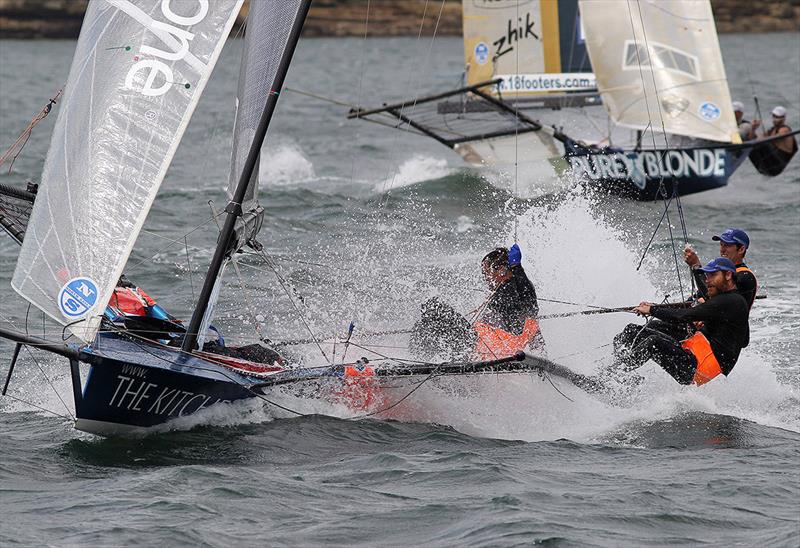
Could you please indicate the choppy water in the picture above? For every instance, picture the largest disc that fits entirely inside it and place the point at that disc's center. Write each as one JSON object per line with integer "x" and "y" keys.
{"x": 365, "y": 224}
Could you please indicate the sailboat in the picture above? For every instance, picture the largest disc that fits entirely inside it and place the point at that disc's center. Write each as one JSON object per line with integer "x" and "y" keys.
{"x": 655, "y": 67}
{"x": 136, "y": 77}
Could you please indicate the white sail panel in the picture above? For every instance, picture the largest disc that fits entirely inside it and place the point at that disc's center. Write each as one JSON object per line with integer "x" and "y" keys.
{"x": 502, "y": 38}
{"x": 534, "y": 46}
{"x": 269, "y": 23}
{"x": 660, "y": 62}
{"x": 137, "y": 74}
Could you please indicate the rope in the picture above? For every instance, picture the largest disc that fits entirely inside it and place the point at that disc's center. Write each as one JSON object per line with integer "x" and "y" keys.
{"x": 662, "y": 190}
{"x": 283, "y": 285}
{"x": 39, "y": 407}
{"x": 330, "y": 99}
{"x": 22, "y": 140}
{"x": 39, "y": 365}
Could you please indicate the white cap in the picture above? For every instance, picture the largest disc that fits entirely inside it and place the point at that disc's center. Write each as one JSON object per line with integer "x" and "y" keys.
{"x": 738, "y": 106}
{"x": 779, "y": 111}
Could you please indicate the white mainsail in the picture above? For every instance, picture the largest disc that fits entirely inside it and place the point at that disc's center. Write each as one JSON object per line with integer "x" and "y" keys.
{"x": 535, "y": 46}
{"x": 660, "y": 62}
{"x": 269, "y": 23}
{"x": 139, "y": 69}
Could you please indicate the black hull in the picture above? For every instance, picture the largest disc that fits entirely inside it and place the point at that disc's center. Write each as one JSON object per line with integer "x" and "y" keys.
{"x": 648, "y": 175}
{"x": 133, "y": 386}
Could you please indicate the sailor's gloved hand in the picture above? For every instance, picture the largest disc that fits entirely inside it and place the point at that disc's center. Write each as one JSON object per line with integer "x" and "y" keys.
{"x": 514, "y": 255}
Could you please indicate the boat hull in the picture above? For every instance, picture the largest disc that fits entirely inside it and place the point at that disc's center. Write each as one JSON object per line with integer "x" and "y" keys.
{"x": 648, "y": 175}
{"x": 133, "y": 386}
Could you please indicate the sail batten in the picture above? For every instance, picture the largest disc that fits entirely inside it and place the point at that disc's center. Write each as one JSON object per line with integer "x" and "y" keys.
{"x": 660, "y": 68}
{"x": 139, "y": 69}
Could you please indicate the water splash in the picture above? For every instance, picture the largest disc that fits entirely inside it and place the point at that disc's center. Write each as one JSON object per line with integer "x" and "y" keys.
{"x": 285, "y": 165}
{"x": 414, "y": 170}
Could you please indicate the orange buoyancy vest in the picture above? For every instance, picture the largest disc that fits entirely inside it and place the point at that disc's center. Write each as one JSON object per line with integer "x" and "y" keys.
{"x": 494, "y": 342}
{"x": 360, "y": 389}
{"x": 745, "y": 269}
{"x": 707, "y": 365}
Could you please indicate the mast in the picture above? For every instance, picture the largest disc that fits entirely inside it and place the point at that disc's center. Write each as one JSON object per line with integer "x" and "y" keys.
{"x": 234, "y": 208}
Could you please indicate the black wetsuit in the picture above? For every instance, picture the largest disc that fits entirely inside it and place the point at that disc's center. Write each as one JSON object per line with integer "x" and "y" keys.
{"x": 512, "y": 303}
{"x": 442, "y": 331}
{"x": 725, "y": 325}
{"x": 746, "y": 284}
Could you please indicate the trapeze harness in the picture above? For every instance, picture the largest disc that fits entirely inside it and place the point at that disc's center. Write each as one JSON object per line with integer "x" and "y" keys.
{"x": 494, "y": 342}
{"x": 707, "y": 365}
{"x": 745, "y": 269}
{"x": 768, "y": 159}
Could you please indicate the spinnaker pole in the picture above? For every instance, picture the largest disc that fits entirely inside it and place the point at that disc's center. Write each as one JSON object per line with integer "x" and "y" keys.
{"x": 234, "y": 208}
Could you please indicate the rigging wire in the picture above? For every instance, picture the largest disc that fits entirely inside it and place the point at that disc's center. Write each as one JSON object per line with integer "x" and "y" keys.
{"x": 39, "y": 407}
{"x": 516, "y": 137}
{"x": 300, "y": 314}
{"x": 662, "y": 189}
{"x": 39, "y": 365}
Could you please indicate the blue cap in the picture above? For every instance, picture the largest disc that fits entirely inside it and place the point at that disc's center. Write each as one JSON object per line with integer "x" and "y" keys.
{"x": 733, "y": 236}
{"x": 719, "y": 264}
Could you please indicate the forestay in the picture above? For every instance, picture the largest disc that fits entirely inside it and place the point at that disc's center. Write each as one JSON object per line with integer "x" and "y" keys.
{"x": 534, "y": 46}
{"x": 138, "y": 72}
{"x": 660, "y": 61}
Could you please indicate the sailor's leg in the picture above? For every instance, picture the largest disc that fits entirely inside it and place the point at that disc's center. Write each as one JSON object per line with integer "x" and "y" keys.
{"x": 673, "y": 358}
{"x": 674, "y": 330}
{"x": 629, "y": 339}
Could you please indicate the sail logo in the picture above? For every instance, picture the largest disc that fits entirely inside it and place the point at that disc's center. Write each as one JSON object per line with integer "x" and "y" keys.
{"x": 481, "y": 53}
{"x": 77, "y": 297}
{"x": 709, "y": 111}
{"x": 515, "y": 34}
{"x": 151, "y": 75}
{"x": 638, "y": 167}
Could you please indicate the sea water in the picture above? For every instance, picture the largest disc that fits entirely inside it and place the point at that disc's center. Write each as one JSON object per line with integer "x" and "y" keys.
{"x": 363, "y": 224}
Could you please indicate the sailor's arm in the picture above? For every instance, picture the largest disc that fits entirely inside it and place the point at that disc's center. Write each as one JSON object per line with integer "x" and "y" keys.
{"x": 710, "y": 310}
{"x": 690, "y": 258}
{"x": 525, "y": 289}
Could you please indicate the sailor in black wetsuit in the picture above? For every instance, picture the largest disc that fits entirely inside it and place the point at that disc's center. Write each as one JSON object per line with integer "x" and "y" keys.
{"x": 733, "y": 245}
{"x": 508, "y": 322}
{"x": 712, "y": 350}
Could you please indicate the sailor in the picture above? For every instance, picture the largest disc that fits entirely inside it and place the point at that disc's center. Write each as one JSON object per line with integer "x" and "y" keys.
{"x": 733, "y": 245}
{"x": 508, "y": 322}
{"x": 711, "y": 350}
{"x": 788, "y": 145}
{"x": 745, "y": 126}
{"x": 130, "y": 300}
{"x": 505, "y": 324}
{"x": 131, "y": 307}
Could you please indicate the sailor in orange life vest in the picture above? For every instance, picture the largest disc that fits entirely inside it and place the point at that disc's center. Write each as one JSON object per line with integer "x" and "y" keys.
{"x": 508, "y": 322}
{"x": 713, "y": 349}
{"x": 137, "y": 312}
{"x": 733, "y": 245}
